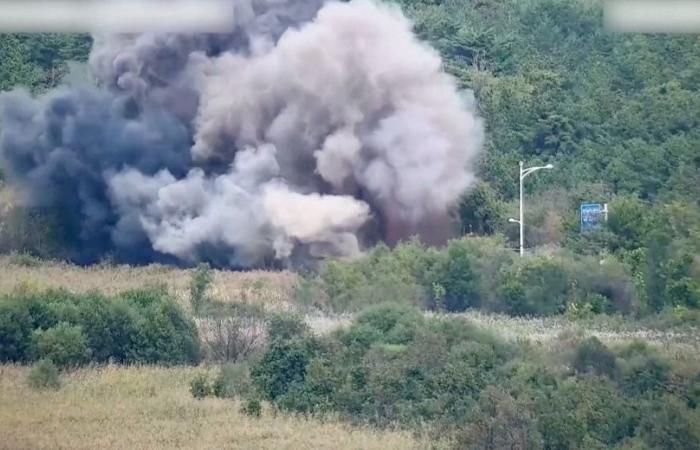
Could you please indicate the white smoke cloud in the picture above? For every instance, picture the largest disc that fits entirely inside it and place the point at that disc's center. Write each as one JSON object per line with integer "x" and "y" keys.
{"x": 314, "y": 129}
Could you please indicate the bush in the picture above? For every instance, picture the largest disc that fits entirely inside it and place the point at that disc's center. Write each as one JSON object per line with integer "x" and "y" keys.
{"x": 233, "y": 380}
{"x": 592, "y": 356}
{"x": 456, "y": 272}
{"x": 252, "y": 407}
{"x": 15, "y": 330}
{"x": 65, "y": 345}
{"x": 500, "y": 421}
{"x": 44, "y": 375}
{"x": 381, "y": 275}
{"x": 199, "y": 285}
{"x": 200, "y": 386}
{"x": 164, "y": 333}
{"x": 281, "y": 366}
{"x": 232, "y": 331}
{"x": 536, "y": 286}
{"x": 31, "y": 233}
{"x": 140, "y": 326}
{"x": 24, "y": 259}
{"x": 284, "y": 327}
{"x": 642, "y": 370}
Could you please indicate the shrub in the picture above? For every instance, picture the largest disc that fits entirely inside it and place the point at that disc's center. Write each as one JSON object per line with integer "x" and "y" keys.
{"x": 381, "y": 275}
{"x": 592, "y": 356}
{"x": 65, "y": 345}
{"x": 199, "y": 285}
{"x": 642, "y": 369}
{"x": 457, "y": 273}
{"x": 139, "y": 326}
{"x": 29, "y": 231}
{"x": 15, "y": 330}
{"x": 537, "y": 286}
{"x": 232, "y": 380}
{"x": 200, "y": 386}
{"x": 281, "y": 366}
{"x": 44, "y": 375}
{"x": 252, "y": 407}
{"x": 232, "y": 331}
{"x": 164, "y": 333}
{"x": 284, "y": 327}
{"x": 584, "y": 413}
{"x": 392, "y": 322}
{"x": 24, "y": 259}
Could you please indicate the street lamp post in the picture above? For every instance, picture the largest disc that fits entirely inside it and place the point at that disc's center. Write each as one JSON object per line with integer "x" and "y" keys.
{"x": 521, "y": 222}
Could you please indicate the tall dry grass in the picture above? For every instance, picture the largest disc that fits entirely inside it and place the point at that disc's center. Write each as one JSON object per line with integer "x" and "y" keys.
{"x": 274, "y": 290}
{"x": 151, "y": 408}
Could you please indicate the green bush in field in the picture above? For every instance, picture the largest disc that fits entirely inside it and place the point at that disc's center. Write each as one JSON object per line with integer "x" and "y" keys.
{"x": 592, "y": 356}
{"x": 25, "y": 260}
{"x": 44, "y": 375}
{"x": 140, "y": 326}
{"x": 199, "y": 285}
{"x": 200, "y": 386}
{"x": 16, "y": 328}
{"x": 252, "y": 407}
{"x": 642, "y": 370}
{"x": 232, "y": 380}
{"x": 65, "y": 345}
{"x": 537, "y": 286}
{"x": 457, "y": 272}
{"x": 382, "y": 275}
{"x": 281, "y": 366}
{"x": 165, "y": 334}
{"x": 284, "y": 327}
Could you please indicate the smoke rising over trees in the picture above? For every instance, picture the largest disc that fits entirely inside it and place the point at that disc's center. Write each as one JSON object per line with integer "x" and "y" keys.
{"x": 310, "y": 130}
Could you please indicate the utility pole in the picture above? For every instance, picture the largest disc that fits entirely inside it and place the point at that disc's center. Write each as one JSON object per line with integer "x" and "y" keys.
{"x": 522, "y": 174}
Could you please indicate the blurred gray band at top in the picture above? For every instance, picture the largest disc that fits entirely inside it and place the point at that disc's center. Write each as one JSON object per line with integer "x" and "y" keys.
{"x": 652, "y": 16}
{"x": 116, "y": 16}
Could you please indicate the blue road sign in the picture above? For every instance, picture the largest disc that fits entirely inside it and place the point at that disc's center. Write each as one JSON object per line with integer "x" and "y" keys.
{"x": 592, "y": 214}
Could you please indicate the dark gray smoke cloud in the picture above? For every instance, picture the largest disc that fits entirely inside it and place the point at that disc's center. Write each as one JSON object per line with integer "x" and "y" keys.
{"x": 309, "y": 130}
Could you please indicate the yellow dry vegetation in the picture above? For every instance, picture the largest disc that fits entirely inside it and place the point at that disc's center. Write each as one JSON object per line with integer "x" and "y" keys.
{"x": 116, "y": 407}
{"x": 274, "y": 290}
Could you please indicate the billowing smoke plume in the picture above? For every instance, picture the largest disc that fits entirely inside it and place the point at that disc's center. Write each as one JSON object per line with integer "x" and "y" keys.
{"x": 310, "y": 130}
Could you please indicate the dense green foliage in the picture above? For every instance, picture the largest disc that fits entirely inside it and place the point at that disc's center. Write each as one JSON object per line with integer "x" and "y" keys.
{"x": 141, "y": 326}
{"x": 39, "y": 61}
{"x": 480, "y": 272}
{"x": 393, "y": 366}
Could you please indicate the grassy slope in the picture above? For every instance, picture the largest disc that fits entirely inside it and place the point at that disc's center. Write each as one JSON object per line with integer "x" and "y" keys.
{"x": 151, "y": 407}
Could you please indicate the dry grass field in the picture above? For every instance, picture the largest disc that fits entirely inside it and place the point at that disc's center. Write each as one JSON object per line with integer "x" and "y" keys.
{"x": 274, "y": 290}
{"x": 151, "y": 408}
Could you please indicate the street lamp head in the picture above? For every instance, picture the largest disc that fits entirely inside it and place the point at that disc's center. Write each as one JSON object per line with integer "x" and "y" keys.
{"x": 549, "y": 166}
{"x": 511, "y": 220}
